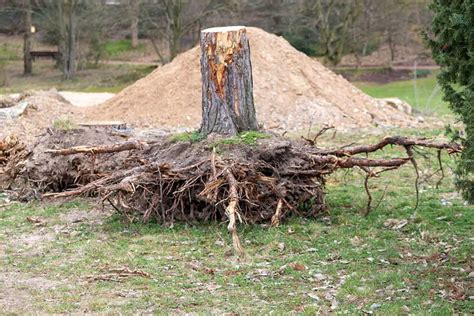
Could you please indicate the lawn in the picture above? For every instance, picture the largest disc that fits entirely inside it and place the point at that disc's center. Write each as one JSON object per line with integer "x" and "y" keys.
{"x": 423, "y": 94}
{"x": 74, "y": 257}
{"x": 101, "y": 78}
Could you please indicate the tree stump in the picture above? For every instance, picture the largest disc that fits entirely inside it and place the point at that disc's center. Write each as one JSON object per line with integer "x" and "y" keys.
{"x": 227, "y": 87}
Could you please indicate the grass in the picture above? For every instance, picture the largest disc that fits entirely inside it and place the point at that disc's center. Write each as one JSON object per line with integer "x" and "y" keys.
{"x": 105, "y": 78}
{"x": 353, "y": 263}
{"x": 425, "y": 96}
{"x": 244, "y": 138}
{"x": 64, "y": 124}
{"x": 116, "y": 48}
{"x": 193, "y": 137}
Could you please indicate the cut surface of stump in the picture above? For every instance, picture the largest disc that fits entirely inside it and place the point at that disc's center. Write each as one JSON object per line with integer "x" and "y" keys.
{"x": 227, "y": 87}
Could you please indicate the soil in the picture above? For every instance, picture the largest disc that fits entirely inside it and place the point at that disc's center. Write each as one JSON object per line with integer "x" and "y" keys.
{"x": 44, "y": 108}
{"x": 292, "y": 92}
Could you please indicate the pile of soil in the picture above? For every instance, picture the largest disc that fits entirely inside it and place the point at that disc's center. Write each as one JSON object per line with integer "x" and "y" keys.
{"x": 43, "y": 109}
{"x": 292, "y": 92}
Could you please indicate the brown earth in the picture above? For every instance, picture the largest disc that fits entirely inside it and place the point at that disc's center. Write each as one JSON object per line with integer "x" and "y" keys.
{"x": 291, "y": 90}
{"x": 44, "y": 108}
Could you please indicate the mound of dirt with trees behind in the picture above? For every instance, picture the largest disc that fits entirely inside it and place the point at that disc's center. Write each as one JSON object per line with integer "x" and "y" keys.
{"x": 292, "y": 92}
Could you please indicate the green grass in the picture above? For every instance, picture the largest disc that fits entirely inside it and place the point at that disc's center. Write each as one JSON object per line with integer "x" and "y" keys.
{"x": 105, "y": 78}
{"x": 425, "y": 97}
{"x": 64, "y": 124}
{"x": 193, "y": 137}
{"x": 9, "y": 52}
{"x": 246, "y": 138}
{"x": 421, "y": 268}
{"x": 119, "y": 47}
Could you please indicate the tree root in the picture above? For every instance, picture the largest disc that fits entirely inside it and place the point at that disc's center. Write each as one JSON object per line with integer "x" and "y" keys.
{"x": 167, "y": 182}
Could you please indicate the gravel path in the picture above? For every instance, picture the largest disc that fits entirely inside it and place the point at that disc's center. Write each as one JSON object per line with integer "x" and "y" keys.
{"x": 82, "y": 99}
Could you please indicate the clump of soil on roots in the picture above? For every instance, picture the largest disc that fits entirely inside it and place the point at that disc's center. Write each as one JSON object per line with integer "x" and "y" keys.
{"x": 163, "y": 180}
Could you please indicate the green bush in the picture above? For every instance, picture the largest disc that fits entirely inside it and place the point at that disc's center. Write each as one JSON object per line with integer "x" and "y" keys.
{"x": 452, "y": 42}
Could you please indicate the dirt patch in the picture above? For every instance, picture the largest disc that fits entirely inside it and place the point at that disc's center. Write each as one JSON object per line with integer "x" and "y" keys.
{"x": 291, "y": 91}
{"x": 80, "y": 216}
{"x": 16, "y": 291}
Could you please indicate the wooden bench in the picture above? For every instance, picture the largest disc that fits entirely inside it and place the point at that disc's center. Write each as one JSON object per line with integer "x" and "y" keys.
{"x": 45, "y": 54}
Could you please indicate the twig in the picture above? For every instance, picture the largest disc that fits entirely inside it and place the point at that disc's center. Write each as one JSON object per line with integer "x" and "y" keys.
{"x": 318, "y": 134}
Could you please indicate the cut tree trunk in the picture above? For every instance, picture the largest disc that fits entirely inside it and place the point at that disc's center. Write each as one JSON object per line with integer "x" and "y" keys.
{"x": 227, "y": 87}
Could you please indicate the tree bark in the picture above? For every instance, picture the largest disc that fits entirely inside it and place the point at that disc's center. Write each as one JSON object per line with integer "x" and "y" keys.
{"x": 227, "y": 87}
{"x": 27, "y": 61}
{"x": 134, "y": 19}
{"x": 70, "y": 70}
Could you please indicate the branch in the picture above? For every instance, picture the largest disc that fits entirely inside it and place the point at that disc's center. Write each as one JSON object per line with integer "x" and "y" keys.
{"x": 98, "y": 149}
{"x": 393, "y": 140}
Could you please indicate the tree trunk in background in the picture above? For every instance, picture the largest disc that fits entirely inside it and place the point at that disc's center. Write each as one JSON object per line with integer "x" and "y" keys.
{"x": 134, "y": 19}
{"x": 227, "y": 87}
{"x": 69, "y": 59}
{"x": 27, "y": 61}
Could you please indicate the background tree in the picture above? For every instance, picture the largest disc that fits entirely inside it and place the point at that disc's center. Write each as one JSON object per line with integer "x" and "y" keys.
{"x": 27, "y": 60}
{"x": 169, "y": 21}
{"x": 134, "y": 14}
{"x": 61, "y": 17}
{"x": 452, "y": 42}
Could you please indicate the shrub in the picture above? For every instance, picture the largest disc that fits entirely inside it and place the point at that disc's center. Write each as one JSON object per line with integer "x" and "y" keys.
{"x": 452, "y": 42}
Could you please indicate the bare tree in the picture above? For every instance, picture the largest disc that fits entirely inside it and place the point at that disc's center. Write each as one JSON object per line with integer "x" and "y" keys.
{"x": 61, "y": 17}
{"x": 27, "y": 60}
{"x": 134, "y": 14}
{"x": 169, "y": 21}
{"x": 331, "y": 21}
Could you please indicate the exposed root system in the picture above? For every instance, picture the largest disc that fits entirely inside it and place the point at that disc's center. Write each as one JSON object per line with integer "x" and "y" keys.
{"x": 167, "y": 181}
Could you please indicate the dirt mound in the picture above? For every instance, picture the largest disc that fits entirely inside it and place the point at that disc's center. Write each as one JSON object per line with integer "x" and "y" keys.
{"x": 41, "y": 111}
{"x": 291, "y": 90}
